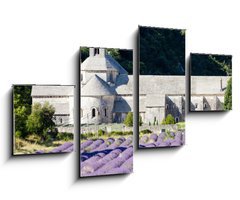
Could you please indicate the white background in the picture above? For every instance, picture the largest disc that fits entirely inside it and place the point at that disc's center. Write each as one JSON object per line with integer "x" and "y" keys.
{"x": 39, "y": 41}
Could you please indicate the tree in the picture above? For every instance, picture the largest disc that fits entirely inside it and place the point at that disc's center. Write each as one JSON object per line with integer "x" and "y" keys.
{"x": 22, "y": 102}
{"x": 211, "y": 65}
{"x": 129, "y": 119}
{"x": 162, "y": 51}
{"x": 168, "y": 120}
{"x": 228, "y": 96}
{"x": 41, "y": 119}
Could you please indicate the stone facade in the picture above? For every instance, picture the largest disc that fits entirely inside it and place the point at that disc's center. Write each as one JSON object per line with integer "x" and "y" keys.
{"x": 60, "y": 97}
{"x": 107, "y": 92}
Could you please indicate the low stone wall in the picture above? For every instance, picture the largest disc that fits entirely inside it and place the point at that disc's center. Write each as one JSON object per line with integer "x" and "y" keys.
{"x": 159, "y": 128}
{"x": 105, "y": 127}
{"x": 67, "y": 129}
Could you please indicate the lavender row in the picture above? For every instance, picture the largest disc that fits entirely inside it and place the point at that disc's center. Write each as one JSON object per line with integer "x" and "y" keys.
{"x": 66, "y": 147}
{"x": 113, "y": 162}
{"x": 162, "y": 140}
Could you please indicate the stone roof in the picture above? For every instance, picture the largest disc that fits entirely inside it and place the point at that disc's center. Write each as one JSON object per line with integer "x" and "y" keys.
{"x": 206, "y": 85}
{"x": 52, "y": 90}
{"x": 102, "y": 63}
{"x": 124, "y": 84}
{"x": 97, "y": 87}
{"x": 123, "y": 106}
{"x": 149, "y": 84}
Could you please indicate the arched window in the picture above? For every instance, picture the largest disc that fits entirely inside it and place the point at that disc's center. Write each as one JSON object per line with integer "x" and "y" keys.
{"x": 204, "y": 105}
{"x": 105, "y": 112}
{"x": 167, "y": 106}
{"x": 94, "y": 110}
{"x": 60, "y": 120}
{"x": 96, "y": 51}
{"x": 176, "y": 119}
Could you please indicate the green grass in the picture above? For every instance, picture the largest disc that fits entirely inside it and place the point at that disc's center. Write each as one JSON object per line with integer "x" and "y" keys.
{"x": 181, "y": 125}
{"x": 33, "y": 143}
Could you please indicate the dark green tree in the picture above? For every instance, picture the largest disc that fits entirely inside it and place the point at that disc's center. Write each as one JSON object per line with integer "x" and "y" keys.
{"x": 41, "y": 119}
{"x": 211, "y": 65}
{"x": 22, "y": 102}
{"x": 129, "y": 119}
{"x": 162, "y": 51}
{"x": 228, "y": 96}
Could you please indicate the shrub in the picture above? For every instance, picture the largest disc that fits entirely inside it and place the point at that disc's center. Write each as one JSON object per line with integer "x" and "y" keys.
{"x": 146, "y": 131}
{"x": 64, "y": 136}
{"x": 228, "y": 96}
{"x": 129, "y": 119}
{"x": 168, "y": 120}
{"x": 101, "y": 132}
{"x": 41, "y": 120}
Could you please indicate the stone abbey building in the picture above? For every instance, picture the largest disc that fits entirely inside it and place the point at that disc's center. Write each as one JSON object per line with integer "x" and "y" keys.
{"x": 61, "y": 97}
{"x": 107, "y": 92}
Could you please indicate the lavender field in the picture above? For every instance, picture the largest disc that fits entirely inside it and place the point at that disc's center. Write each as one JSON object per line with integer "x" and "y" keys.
{"x": 162, "y": 140}
{"x": 107, "y": 156}
{"x": 64, "y": 148}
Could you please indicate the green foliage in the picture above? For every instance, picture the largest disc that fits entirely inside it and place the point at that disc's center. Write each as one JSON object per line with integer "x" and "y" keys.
{"x": 228, "y": 96}
{"x": 64, "y": 136}
{"x": 145, "y": 131}
{"x": 101, "y": 132}
{"x": 129, "y": 119}
{"x": 162, "y": 51}
{"x": 168, "y": 120}
{"x": 22, "y": 108}
{"x": 211, "y": 65}
{"x": 124, "y": 57}
{"x": 41, "y": 120}
{"x": 181, "y": 125}
{"x": 87, "y": 136}
{"x": 84, "y": 53}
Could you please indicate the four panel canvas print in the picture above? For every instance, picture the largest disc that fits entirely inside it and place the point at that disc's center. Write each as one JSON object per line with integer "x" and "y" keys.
{"x": 43, "y": 115}
{"x": 210, "y": 82}
{"x": 106, "y": 111}
{"x": 43, "y": 119}
{"x": 161, "y": 87}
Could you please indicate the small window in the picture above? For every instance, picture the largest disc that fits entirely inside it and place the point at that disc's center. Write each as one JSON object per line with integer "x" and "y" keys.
{"x": 167, "y": 106}
{"x": 105, "y": 112}
{"x": 93, "y": 112}
{"x": 96, "y": 51}
{"x": 60, "y": 120}
{"x": 204, "y": 105}
{"x": 176, "y": 119}
{"x": 196, "y": 105}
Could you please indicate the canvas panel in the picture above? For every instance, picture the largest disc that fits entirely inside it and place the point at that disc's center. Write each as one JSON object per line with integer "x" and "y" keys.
{"x": 161, "y": 87}
{"x": 210, "y": 83}
{"x": 43, "y": 119}
{"x": 106, "y": 111}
